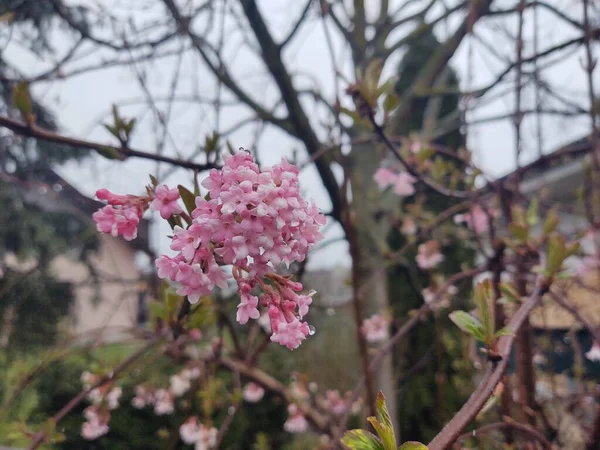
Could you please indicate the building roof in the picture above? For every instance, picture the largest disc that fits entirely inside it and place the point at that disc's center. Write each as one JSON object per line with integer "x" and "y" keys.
{"x": 559, "y": 174}
{"x": 551, "y": 316}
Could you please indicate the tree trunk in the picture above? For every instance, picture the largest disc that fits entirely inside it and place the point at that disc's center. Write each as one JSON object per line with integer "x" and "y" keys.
{"x": 370, "y": 209}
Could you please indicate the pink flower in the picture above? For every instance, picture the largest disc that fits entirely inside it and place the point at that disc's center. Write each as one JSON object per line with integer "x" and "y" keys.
{"x": 113, "y": 397}
{"x": 477, "y": 219}
{"x": 195, "y": 334}
{"x": 179, "y": 385}
{"x": 253, "y": 220}
{"x": 335, "y": 402}
{"x": 113, "y": 199}
{"x": 376, "y": 328}
{"x": 253, "y": 393}
{"x": 118, "y": 222}
{"x": 163, "y": 402}
{"x": 439, "y": 300}
{"x": 409, "y": 227}
{"x": 165, "y": 201}
{"x": 416, "y": 146}
{"x": 304, "y": 301}
{"x": 594, "y": 353}
{"x": 295, "y": 423}
{"x": 403, "y": 186}
{"x": 290, "y": 334}
{"x": 96, "y": 424}
{"x": 190, "y": 430}
{"x": 142, "y": 397}
{"x": 429, "y": 255}
{"x": 385, "y": 177}
{"x": 247, "y": 309}
{"x": 207, "y": 439}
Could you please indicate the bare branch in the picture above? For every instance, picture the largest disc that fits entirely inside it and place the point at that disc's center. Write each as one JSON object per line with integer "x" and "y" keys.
{"x": 271, "y": 54}
{"x": 123, "y": 152}
{"x": 492, "y": 376}
{"x": 301, "y": 20}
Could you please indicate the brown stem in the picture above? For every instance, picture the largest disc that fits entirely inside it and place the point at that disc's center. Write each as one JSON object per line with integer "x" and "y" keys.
{"x": 40, "y": 437}
{"x": 524, "y": 429}
{"x": 357, "y": 305}
{"x": 270, "y": 383}
{"x": 402, "y": 331}
{"x": 33, "y": 131}
{"x": 492, "y": 376}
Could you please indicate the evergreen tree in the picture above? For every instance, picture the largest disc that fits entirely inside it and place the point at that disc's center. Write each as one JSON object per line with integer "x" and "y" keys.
{"x": 34, "y": 224}
{"x": 431, "y": 392}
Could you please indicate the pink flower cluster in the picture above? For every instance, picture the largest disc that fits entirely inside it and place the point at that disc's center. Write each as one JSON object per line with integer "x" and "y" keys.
{"x": 296, "y": 422}
{"x": 122, "y": 215}
{"x": 594, "y": 353}
{"x": 195, "y": 433}
{"x": 104, "y": 399}
{"x": 253, "y": 393}
{"x": 402, "y": 182}
{"x": 428, "y": 255}
{"x": 477, "y": 219}
{"x": 376, "y": 328}
{"x": 96, "y": 424}
{"x": 253, "y": 220}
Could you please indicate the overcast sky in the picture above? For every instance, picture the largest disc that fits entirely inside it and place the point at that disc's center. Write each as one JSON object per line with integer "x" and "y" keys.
{"x": 83, "y": 102}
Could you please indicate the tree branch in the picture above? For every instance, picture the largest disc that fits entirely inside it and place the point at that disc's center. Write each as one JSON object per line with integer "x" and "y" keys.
{"x": 122, "y": 152}
{"x": 492, "y": 376}
{"x": 75, "y": 401}
{"x": 271, "y": 54}
{"x": 297, "y": 26}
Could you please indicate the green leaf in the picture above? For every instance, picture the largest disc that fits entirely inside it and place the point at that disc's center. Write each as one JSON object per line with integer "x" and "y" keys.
{"x": 533, "y": 212}
{"x": 129, "y": 126}
{"x": 506, "y": 331}
{"x": 519, "y": 215}
{"x": 388, "y": 87}
{"x": 520, "y": 231}
{"x": 116, "y": 118}
{"x": 111, "y": 129}
{"x": 382, "y": 412}
{"x": 189, "y": 199}
{"x": 511, "y": 292}
{"x": 354, "y": 116}
{"x": 110, "y": 153}
{"x": 484, "y": 298}
{"x": 390, "y": 103}
{"x": 157, "y": 310}
{"x": 262, "y": 442}
{"x": 556, "y": 253}
{"x": 412, "y": 446}
{"x": 551, "y": 222}
{"x": 210, "y": 143}
{"x": 361, "y": 440}
{"x": 153, "y": 180}
{"x": 373, "y": 74}
{"x": 21, "y": 99}
{"x": 467, "y": 323}
{"x": 385, "y": 433}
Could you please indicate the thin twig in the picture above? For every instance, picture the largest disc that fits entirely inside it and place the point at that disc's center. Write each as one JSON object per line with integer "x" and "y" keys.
{"x": 123, "y": 152}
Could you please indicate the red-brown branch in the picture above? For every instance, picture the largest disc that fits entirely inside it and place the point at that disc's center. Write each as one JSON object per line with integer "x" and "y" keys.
{"x": 492, "y": 376}
{"x": 524, "y": 429}
{"x": 33, "y": 131}
{"x": 40, "y": 437}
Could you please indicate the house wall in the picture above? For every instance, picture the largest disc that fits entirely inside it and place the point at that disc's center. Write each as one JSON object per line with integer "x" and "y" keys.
{"x": 108, "y": 310}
